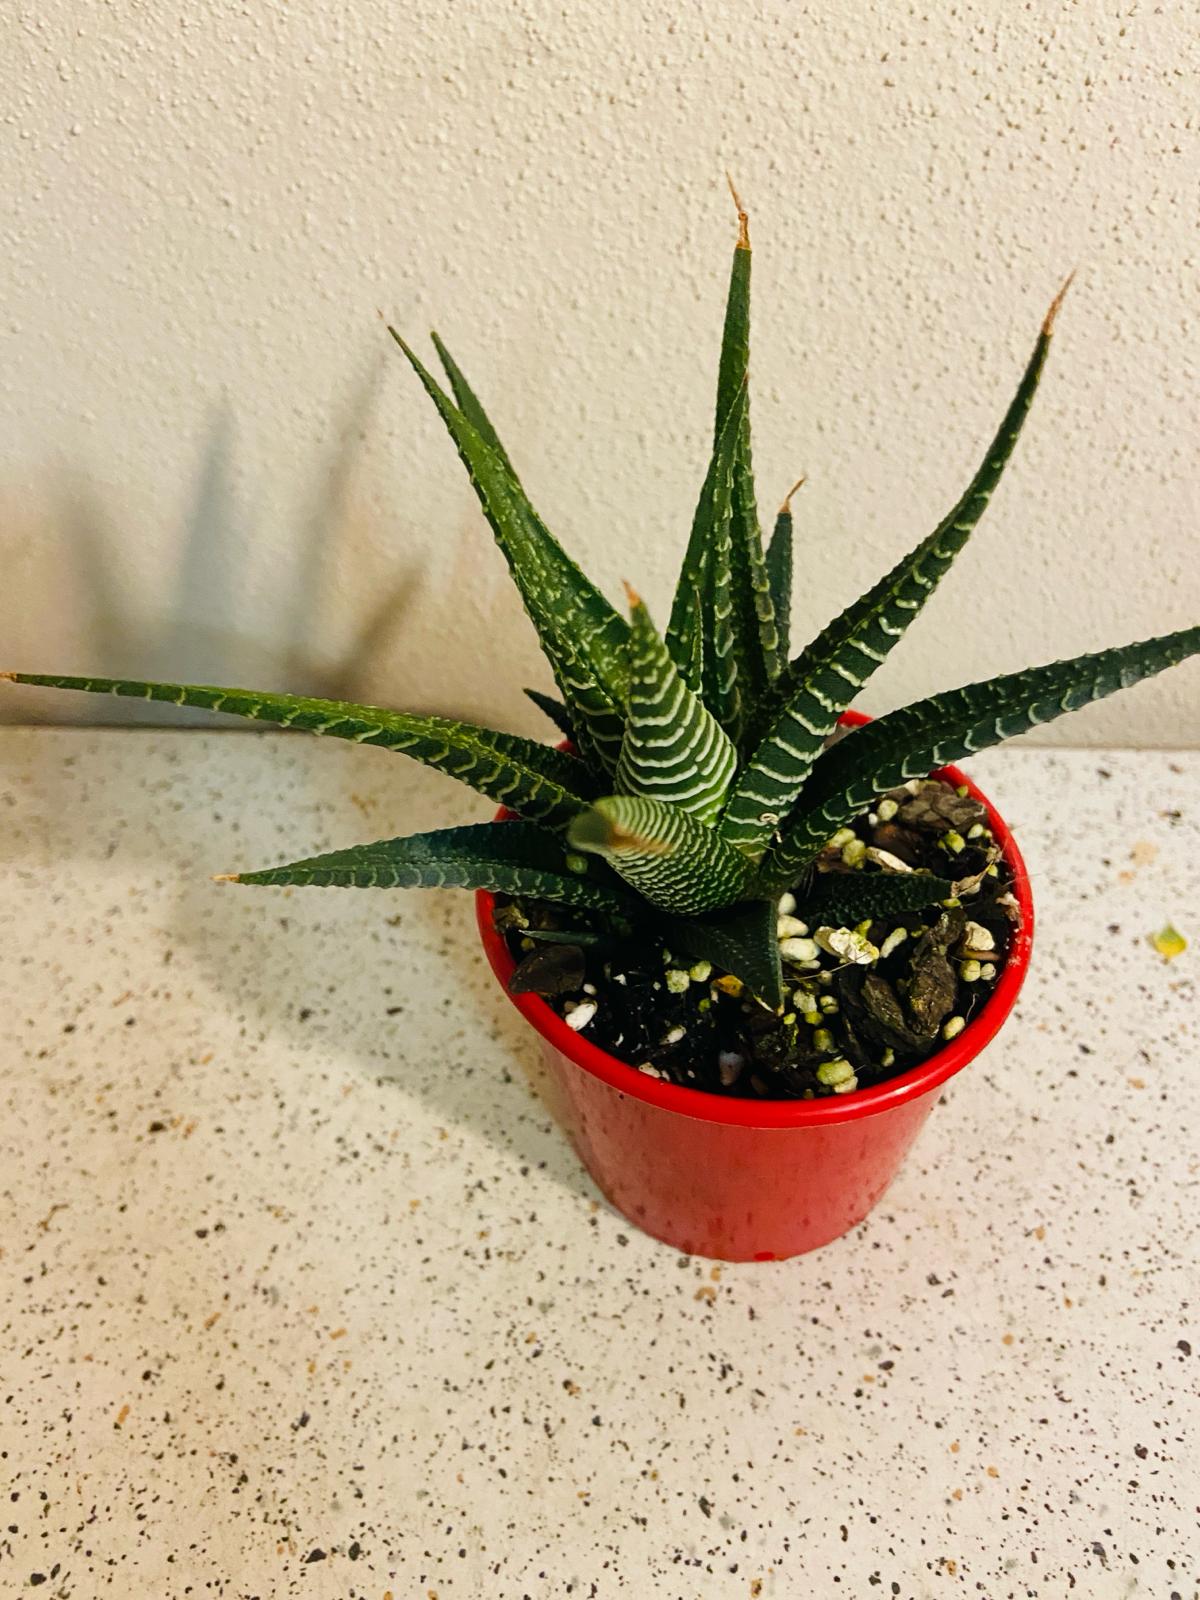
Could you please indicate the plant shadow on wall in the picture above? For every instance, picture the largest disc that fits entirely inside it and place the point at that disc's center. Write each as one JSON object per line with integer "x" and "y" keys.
{"x": 701, "y": 784}
{"x": 75, "y": 582}
{"x": 349, "y": 963}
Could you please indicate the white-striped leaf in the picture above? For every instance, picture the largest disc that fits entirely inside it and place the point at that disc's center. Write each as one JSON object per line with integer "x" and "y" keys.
{"x": 809, "y": 696}
{"x": 582, "y": 635}
{"x": 929, "y": 733}
{"x": 701, "y": 636}
{"x": 667, "y": 855}
{"x": 674, "y": 748}
{"x": 544, "y": 784}
{"x": 516, "y": 858}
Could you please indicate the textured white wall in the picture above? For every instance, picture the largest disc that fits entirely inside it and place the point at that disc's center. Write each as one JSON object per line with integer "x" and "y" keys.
{"x": 212, "y": 462}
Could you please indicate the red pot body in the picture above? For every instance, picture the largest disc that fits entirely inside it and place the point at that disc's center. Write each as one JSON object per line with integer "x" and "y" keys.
{"x": 750, "y": 1180}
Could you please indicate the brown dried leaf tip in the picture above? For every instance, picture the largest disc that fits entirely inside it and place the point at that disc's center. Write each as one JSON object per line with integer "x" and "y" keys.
{"x": 743, "y": 216}
{"x": 1056, "y": 304}
{"x": 785, "y": 509}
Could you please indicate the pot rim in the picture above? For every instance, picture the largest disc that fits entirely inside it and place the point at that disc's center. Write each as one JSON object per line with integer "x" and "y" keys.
{"x": 736, "y": 1111}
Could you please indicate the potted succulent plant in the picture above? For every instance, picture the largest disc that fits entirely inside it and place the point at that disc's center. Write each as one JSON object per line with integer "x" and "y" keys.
{"x": 755, "y": 932}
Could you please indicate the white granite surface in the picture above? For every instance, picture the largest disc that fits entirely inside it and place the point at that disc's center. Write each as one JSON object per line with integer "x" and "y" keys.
{"x": 302, "y": 1294}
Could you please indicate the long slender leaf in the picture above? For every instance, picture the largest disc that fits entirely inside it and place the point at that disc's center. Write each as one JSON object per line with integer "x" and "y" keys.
{"x": 701, "y": 637}
{"x": 674, "y": 748}
{"x": 728, "y": 573}
{"x": 740, "y": 941}
{"x": 506, "y": 857}
{"x": 543, "y": 784}
{"x": 779, "y": 577}
{"x": 582, "y": 635}
{"x": 735, "y": 332}
{"x": 667, "y": 855}
{"x": 604, "y": 630}
{"x": 844, "y": 898}
{"x": 816, "y": 688}
{"x": 909, "y": 742}
{"x": 468, "y": 403}
{"x": 755, "y": 630}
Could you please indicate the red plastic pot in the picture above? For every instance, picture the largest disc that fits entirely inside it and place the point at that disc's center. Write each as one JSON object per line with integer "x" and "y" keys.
{"x": 751, "y": 1180}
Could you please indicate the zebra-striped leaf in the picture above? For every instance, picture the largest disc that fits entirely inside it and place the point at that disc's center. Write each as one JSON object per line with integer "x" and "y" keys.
{"x": 667, "y": 855}
{"x": 543, "y": 784}
{"x": 701, "y": 636}
{"x": 844, "y": 898}
{"x": 740, "y": 941}
{"x": 504, "y": 857}
{"x": 582, "y": 635}
{"x": 674, "y": 748}
{"x": 779, "y": 577}
{"x": 755, "y": 632}
{"x": 816, "y": 688}
{"x": 909, "y": 742}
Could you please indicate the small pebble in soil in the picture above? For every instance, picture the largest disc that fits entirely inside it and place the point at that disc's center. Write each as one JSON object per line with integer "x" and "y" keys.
{"x": 580, "y": 1015}
{"x": 863, "y": 1003}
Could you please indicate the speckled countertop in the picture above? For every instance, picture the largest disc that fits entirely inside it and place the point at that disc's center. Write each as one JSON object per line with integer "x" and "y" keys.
{"x": 302, "y": 1293}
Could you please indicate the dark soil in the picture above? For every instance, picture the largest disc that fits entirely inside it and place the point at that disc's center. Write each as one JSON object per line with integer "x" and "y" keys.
{"x": 845, "y": 1024}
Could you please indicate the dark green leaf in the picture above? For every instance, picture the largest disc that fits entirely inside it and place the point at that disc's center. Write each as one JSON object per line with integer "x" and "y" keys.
{"x": 468, "y": 403}
{"x": 779, "y": 577}
{"x": 725, "y": 561}
{"x": 843, "y": 899}
{"x": 755, "y": 630}
{"x": 792, "y": 724}
{"x": 585, "y": 938}
{"x": 740, "y": 941}
{"x": 582, "y": 635}
{"x": 543, "y": 784}
{"x": 910, "y": 742}
{"x": 701, "y": 637}
{"x": 554, "y": 709}
{"x": 516, "y": 858}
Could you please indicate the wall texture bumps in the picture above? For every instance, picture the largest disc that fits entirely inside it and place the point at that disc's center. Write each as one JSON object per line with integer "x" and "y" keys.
{"x": 212, "y": 463}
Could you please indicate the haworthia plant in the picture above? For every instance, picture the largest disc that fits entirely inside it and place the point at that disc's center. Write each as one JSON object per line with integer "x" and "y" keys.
{"x": 700, "y": 783}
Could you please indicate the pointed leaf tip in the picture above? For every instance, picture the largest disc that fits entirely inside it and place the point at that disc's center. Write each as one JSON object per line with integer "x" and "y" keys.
{"x": 226, "y": 877}
{"x": 742, "y": 215}
{"x": 631, "y": 594}
{"x": 1056, "y": 304}
{"x": 785, "y": 509}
